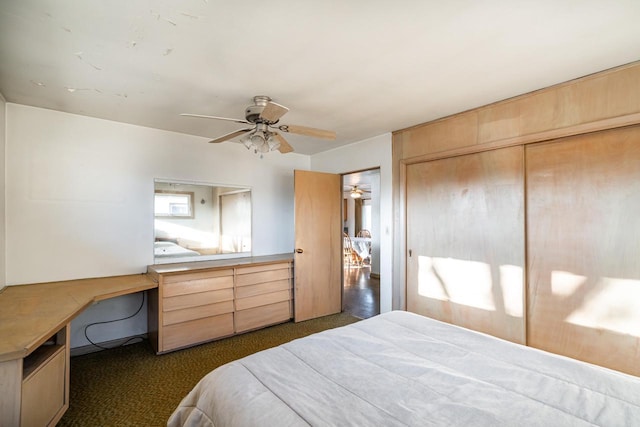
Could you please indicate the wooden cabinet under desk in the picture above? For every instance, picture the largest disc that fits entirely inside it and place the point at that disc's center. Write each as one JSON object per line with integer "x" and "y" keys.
{"x": 36, "y": 388}
{"x": 203, "y": 301}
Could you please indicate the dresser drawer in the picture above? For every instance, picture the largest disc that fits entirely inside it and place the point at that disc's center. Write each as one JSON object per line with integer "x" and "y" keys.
{"x": 192, "y": 313}
{"x": 197, "y": 285}
{"x": 262, "y": 288}
{"x": 195, "y": 300}
{"x": 185, "y": 277}
{"x": 263, "y": 299}
{"x": 263, "y": 267}
{"x": 253, "y": 275}
{"x": 196, "y": 331}
{"x": 258, "y": 317}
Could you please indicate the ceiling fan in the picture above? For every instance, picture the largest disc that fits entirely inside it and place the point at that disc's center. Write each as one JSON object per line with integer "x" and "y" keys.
{"x": 357, "y": 193}
{"x": 265, "y": 134}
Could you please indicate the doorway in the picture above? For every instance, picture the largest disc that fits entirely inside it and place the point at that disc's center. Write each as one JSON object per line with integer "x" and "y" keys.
{"x": 361, "y": 243}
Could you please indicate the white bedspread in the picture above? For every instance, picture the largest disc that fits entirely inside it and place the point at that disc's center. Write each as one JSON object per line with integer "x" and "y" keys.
{"x": 398, "y": 369}
{"x": 170, "y": 249}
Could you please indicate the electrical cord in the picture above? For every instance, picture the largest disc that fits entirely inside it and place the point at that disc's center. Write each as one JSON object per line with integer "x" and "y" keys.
{"x": 112, "y": 321}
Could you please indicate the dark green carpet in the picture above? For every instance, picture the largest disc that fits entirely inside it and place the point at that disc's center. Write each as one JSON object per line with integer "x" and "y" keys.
{"x": 131, "y": 386}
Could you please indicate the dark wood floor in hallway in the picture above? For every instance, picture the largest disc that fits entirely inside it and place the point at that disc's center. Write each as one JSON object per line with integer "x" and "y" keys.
{"x": 361, "y": 297}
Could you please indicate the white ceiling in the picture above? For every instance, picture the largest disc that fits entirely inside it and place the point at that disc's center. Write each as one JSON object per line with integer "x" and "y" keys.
{"x": 359, "y": 67}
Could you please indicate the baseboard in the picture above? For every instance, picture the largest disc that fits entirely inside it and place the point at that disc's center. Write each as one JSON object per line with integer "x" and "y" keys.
{"x": 374, "y": 275}
{"x": 86, "y": 349}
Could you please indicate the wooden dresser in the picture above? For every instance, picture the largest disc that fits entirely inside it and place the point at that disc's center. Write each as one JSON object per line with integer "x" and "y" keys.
{"x": 202, "y": 301}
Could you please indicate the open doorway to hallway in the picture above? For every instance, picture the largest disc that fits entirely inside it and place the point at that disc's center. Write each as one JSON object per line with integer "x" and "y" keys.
{"x": 361, "y": 243}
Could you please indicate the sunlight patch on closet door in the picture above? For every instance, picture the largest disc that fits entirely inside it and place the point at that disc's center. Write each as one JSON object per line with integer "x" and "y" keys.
{"x": 512, "y": 285}
{"x": 564, "y": 283}
{"x": 462, "y": 282}
{"x": 612, "y": 304}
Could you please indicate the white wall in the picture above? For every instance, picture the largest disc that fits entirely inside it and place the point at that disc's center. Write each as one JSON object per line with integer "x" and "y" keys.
{"x": 3, "y": 122}
{"x": 368, "y": 154}
{"x": 79, "y": 200}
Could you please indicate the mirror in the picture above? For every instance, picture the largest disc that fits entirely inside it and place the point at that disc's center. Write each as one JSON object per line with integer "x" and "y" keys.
{"x": 195, "y": 222}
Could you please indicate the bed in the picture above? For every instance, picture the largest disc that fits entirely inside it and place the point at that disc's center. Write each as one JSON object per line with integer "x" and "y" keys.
{"x": 400, "y": 368}
{"x": 166, "y": 249}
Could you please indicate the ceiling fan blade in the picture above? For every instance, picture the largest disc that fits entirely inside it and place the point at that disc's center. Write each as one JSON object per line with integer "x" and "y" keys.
{"x": 231, "y": 135}
{"x": 359, "y": 189}
{"x": 284, "y": 145}
{"x": 307, "y": 131}
{"x": 272, "y": 112}
{"x": 201, "y": 116}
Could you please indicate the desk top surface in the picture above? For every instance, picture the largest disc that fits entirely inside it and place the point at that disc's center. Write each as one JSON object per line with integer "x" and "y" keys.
{"x": 31, "y": 314}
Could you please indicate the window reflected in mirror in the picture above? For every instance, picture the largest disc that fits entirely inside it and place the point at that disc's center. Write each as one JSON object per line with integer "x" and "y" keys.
{"x": 168, "y": 204}
{"x": 195, "y": 222}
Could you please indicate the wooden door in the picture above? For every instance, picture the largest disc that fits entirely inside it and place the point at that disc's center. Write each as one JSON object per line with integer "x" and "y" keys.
{"x": 318, "y": 245}
{"x": 583, "y": 220}
{"x": 465, "y": 241}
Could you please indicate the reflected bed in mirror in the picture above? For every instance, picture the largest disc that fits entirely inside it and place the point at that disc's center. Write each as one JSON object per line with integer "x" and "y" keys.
{"x": 196, "y": 221}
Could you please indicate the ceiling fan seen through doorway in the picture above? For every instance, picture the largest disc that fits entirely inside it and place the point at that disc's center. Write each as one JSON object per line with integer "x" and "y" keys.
{"x": 357, "y": 193}
{"x": 265, "y": 134}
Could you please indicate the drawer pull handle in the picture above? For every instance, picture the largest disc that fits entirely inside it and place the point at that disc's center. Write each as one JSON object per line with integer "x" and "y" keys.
{"x": 299, "y": 251}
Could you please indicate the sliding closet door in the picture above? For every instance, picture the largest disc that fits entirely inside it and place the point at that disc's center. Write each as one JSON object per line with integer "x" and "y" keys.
{"x": 465, "y": 241}
{"x": 583, "y": 216}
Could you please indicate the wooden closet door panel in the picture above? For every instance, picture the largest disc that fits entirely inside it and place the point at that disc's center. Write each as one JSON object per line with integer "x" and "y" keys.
{"x": 465, "y": 241}
{"x": 583, "y": 217}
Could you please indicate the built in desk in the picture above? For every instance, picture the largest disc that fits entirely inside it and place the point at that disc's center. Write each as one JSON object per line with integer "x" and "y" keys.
{"x": 34, "y": 343}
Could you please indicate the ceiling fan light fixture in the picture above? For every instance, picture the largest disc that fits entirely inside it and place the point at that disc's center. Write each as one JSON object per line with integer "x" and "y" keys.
{"x": 246, "y": 141}
{"x": 264, "y": 148}
{"x": 355, "y": 194}
{"x": 273, "y": 143}
{"x": 258, "y": 139}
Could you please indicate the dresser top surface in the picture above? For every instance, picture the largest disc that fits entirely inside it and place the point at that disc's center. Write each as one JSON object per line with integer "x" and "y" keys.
{"x": 186, "y": 267}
